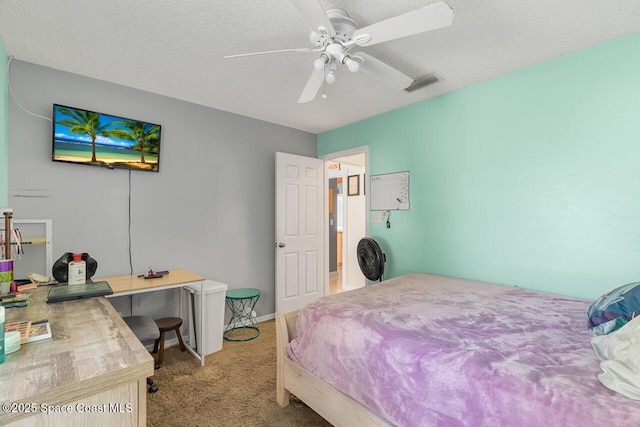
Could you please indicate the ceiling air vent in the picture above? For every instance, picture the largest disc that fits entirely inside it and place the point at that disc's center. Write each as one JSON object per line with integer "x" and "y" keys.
{"x": 422, "y": 81}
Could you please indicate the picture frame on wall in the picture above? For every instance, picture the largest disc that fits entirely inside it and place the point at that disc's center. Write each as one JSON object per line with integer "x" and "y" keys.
{"x": 353, "y": 185}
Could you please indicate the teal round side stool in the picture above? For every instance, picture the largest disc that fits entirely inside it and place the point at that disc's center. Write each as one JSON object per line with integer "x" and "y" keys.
{"x": 242, "y": 324}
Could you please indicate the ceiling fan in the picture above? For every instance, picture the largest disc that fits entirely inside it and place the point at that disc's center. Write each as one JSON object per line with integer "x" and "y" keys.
{"x": 334, "y": 35}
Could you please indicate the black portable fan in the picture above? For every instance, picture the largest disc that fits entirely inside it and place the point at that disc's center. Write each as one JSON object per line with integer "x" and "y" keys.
{"x": 371, "y": 259}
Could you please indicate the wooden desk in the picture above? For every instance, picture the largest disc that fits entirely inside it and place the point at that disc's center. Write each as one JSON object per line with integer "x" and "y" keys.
{"x": 127, "y": 285}
{"x": 92, "y": 363}
{"x": 178, "y": 278}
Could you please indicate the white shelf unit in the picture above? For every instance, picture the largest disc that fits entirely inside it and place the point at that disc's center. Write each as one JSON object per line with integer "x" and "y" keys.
{"x": 34, "y": 232}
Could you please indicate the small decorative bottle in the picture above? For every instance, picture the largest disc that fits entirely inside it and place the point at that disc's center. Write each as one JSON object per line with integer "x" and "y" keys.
{"x": 77, "y": 270}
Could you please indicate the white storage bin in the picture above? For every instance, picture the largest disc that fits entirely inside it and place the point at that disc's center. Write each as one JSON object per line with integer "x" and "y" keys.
{"x": 214, "y": 293}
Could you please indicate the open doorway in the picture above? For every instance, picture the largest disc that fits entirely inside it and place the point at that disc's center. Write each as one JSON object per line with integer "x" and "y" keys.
{"x": 347, "y": 217}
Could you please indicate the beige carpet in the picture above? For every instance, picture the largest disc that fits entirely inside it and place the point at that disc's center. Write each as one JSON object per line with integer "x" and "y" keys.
{"x": 236, "y": 387}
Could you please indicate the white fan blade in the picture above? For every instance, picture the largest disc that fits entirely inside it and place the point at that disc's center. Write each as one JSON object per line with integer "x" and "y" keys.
{"x": 382, "y": 72}
{"x": 303, "y": 49}
{"x": 314, "y": 14}
{"x": 432, "y": 17}
{"x": 311, "y": 88}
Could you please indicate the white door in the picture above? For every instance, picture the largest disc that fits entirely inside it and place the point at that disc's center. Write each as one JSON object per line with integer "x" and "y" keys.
{"x": 300, "y": 229}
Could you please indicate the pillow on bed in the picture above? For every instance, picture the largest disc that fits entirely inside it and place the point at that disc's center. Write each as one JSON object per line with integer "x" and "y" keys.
{"x": 614, "y": 309}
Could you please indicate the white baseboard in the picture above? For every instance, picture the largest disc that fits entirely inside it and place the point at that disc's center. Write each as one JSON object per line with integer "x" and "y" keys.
{"x": 266, "y": 317}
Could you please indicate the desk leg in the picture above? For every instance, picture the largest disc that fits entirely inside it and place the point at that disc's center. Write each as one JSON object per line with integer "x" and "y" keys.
{"x": 203, "y": 324}
{"x": 198, "y": 352}
{"x": 192, "y": 304}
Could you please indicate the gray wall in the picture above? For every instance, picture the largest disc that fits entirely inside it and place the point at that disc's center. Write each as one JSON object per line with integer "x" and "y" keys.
{"x": 210, "y": 209}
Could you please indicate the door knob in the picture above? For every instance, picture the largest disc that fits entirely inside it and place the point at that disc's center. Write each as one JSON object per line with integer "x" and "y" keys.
{"x": 280, "y": 245}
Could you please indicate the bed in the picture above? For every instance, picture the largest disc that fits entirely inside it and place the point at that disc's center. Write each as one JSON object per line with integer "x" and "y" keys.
{"x": 426, "y": 350}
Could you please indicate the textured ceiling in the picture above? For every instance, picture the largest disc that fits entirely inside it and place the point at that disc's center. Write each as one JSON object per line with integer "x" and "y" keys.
{"x": 176, "y": 48}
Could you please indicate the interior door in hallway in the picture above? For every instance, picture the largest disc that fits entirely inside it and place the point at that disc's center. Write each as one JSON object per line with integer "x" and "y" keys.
{"x": 300, "y": 238}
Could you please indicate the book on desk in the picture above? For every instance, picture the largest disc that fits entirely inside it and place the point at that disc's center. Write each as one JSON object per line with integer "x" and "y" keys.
{"x": 74, "y": 292}
{"x": 30, "y": 331}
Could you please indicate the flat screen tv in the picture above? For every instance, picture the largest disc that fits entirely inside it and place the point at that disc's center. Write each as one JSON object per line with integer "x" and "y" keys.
{"x": 97, "y": 139}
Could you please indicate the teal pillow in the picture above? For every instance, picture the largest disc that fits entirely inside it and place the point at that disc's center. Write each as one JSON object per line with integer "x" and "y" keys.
{"x": 614, "y": 309}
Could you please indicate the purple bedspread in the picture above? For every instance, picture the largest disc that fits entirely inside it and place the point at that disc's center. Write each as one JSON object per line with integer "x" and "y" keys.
{"x": 424, "y": 350}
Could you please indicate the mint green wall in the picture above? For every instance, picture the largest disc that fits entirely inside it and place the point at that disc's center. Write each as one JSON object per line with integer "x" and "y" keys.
{"x": 532, "y": 178}
{"x": 4, "y": 140}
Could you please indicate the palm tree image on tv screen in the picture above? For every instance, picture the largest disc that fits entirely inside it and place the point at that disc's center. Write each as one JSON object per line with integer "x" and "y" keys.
{"x": 87, "y": 137}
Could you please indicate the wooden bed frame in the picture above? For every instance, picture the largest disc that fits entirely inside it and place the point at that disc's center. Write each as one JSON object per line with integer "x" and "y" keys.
{"x": 330, "y": 403}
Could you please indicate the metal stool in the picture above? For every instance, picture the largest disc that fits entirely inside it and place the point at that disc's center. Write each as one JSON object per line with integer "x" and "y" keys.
{"x": 167, "y": 324}
{"x": 242, "y": 324}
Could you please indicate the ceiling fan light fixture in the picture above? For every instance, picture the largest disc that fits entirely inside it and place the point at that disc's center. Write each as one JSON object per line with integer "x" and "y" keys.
{"x": 352, "y": 65}
{"x": 320, "y": 63}
{"x": 330, "y": 77}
